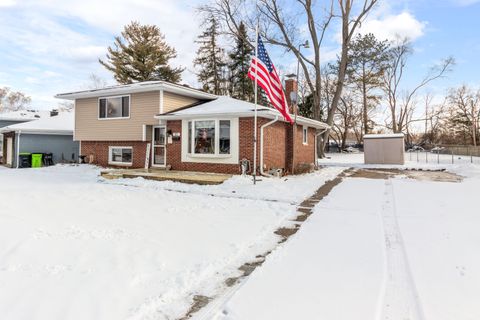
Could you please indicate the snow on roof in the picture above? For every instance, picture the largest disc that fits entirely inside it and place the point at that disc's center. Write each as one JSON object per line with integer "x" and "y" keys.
{"x": 222, "y": 104}
{"x": 227, "y": 106}
{"x": 24, "y": 115}
{"x": 63, "y": 123}
{"x": 137, "y": 87}
{"x": 383, "y": 136}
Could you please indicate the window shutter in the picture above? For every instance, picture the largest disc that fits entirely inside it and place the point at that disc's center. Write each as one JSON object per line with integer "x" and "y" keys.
{"x": 102, "y": 110}
{"x": 125, "y": 106}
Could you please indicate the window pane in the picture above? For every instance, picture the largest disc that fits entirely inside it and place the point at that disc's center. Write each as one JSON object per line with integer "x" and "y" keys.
{"x": 205, "y": 137}
{"x": 126, "y": 155}
{"x": 189, "y": 136}
{"x": 121, "y": 155}
{"x": 102, "y": 108}
{"x": 225, "y": 136}
{"x": 159, "y": 136}
{"x": 126, "y": 106}
{"x": 117, "y": 155}
{"x": 114, "y": 107}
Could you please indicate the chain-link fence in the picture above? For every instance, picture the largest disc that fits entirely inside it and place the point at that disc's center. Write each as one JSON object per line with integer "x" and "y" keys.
{"x": 442, "y": 156}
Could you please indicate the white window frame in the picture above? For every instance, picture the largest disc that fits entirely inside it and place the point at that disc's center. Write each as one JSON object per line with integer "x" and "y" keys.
{"x": 110, "y": 161}
{"x": 305, "y": 135}
{"x": 217, "y": 153}
{"x": 112, "y": 97}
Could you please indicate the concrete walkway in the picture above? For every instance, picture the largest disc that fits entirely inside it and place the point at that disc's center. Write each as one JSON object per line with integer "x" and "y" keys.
{"x": 163, "y": 175}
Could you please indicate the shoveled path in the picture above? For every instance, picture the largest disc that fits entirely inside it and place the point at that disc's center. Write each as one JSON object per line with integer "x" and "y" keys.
{"x": 206, "y": 307}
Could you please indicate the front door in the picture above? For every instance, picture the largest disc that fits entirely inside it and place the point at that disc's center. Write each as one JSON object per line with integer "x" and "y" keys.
{"x": 9, "y": 151}
{"x": 158, "y": 146}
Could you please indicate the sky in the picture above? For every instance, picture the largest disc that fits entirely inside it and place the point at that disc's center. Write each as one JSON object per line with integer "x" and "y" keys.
{"x": 53, "y": 46}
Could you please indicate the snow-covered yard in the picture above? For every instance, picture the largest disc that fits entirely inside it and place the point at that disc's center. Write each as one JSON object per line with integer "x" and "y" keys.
{"x": 73, "y": 246}
{"x": 374, "y": 249}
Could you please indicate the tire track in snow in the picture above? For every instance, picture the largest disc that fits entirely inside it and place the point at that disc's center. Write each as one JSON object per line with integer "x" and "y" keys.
{"x": 399, "y": 299}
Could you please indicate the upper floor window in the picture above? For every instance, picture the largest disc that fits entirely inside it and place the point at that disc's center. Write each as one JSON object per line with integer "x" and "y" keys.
{"x": 305, "y": 135}
{"x": 114, "y": 107}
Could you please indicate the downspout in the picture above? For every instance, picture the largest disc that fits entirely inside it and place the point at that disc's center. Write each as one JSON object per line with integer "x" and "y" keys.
{"x": 316, "y": 137}
{"x": 18, "y": 148}
{"x": 261, "y": 145}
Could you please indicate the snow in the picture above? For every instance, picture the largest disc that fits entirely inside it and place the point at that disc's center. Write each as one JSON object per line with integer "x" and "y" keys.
{"x": 383, "y": 136}
{"x": 422, "y": 160}
{"x": 63, "y": 122}
{"x": 224, "y": 105}
{"x": 374, "y": 249}
{"x": 74, "y": 246}
{"x": 290, "y": 189}
{"x": 24, "y": 115}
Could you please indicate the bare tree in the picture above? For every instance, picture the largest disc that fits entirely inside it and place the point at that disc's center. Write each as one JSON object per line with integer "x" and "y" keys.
{"x": 96, "y": 82}
{"x": 13, "y": 100}
{"x": 349, "y": 114}
{"x": 282, "y": 29}
{"x": 401, "y": 103}
{"x": 465, "y": 103}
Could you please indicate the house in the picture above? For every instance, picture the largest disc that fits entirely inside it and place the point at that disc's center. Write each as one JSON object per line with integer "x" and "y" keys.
{"x": 164, "y": 125}
{"x": 14, "y": 117}
{"x": 48, "y": 135}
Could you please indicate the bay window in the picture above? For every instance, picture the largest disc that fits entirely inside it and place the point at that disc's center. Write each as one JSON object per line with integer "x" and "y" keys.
{"x": 114, "y": 107}
{"x": 209, "y": 137}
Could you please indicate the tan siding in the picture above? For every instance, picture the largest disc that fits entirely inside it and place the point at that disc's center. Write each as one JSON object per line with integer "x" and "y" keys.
{"x": 143, "y": 107}
{"x": 173, "y": 101}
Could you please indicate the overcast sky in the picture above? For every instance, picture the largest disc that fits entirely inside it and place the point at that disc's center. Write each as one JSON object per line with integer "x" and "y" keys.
{"x": 52, "y": 46}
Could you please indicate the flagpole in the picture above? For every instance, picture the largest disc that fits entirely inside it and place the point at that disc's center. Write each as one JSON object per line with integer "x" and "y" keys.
{"x": 255, "y": 117}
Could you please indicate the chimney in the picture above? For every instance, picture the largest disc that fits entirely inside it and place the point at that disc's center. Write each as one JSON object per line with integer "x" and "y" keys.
{"x": 291, "y": 93}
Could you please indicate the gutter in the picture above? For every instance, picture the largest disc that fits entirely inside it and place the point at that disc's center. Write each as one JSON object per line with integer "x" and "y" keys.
{"x": 261, "y": 145}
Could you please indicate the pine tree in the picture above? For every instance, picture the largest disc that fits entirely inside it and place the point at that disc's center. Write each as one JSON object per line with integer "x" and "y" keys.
{"x": 210, "y": 59}
{"x": 141, "y": 54}
{"x": 241, "y": 86}
{"x": 367, "y": 60}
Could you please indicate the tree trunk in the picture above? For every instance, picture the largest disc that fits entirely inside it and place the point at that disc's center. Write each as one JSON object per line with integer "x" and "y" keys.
{"x": 365, "y": 107}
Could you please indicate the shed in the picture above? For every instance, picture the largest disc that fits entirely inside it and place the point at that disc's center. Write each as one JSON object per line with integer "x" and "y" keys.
{"x": 47, "y": 135}
{"x": 384, "y": 148}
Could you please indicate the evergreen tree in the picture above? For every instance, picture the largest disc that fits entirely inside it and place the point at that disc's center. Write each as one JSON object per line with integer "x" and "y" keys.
{"x": 367, "y": 60}
{"x": 210, "y": 59}
{"x": 141, "y": 54}
{"x": 241, "y": 87}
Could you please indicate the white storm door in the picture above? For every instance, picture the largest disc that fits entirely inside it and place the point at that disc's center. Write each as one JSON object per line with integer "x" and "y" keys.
{"x": 158, "y": 146}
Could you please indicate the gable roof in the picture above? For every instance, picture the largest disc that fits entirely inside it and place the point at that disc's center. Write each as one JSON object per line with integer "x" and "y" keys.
{"x": 62, "y": 124}
{"x": 137, "y": 87}
{"x": 227, "y": 106}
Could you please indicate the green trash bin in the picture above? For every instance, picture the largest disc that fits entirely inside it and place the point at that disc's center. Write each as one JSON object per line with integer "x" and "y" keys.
{"x": 36, "y": 160}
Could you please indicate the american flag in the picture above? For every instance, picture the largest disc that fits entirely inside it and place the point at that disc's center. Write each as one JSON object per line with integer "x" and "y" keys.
{"x": 267, "y": 78}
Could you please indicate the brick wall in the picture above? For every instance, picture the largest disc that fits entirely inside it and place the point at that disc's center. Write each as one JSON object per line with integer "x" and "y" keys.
{"x": 277, "y": 148}
{"x": 98, "y": 152}
{"x": 304, "y": 153}
{"x": 174, "y": 156}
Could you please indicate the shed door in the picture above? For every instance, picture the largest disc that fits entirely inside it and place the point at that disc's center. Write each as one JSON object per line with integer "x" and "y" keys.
{"x": 9, "y": 151}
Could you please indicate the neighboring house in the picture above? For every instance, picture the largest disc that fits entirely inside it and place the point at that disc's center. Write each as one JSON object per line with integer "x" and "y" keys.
{"x": 46, "y": 135}
{"x": 164, "y": 125}
{"x": 14, "y": 117}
